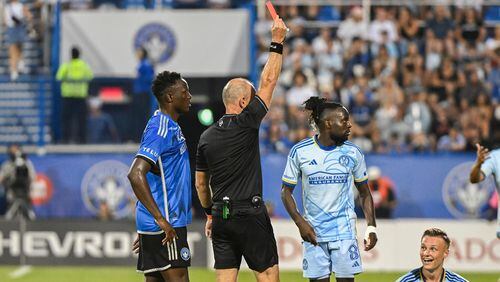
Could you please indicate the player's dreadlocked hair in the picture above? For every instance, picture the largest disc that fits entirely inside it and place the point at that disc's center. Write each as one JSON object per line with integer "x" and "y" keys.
{"x": 317, "y": 105}
{"x": 436, "y": 232}
{"x": 163, "y": 82}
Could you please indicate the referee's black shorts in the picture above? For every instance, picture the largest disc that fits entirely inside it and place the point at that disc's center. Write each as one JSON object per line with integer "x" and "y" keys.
{"x": 247, "y": 233}
{"x": 155, "y": 257}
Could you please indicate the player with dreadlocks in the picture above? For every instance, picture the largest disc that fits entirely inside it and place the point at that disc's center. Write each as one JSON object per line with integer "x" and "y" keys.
{"x": 329, "y": 167}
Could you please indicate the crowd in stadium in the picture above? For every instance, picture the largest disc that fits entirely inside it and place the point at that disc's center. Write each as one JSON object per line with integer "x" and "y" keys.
{"x": 415, "y": 79}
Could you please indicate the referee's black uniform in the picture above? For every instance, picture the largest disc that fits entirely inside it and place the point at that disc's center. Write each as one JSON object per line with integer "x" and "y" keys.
{"x": 229, "y": 152}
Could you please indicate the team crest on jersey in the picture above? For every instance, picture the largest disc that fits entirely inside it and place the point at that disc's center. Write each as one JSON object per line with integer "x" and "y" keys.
{"x": 158, "y": 39}
{"x": 345, "y": 161}
{"x": 185, "y": 254}
{"x": 106, "y": 182}
{"x": 462, "y": 198}
{"x": 305, "y": 264}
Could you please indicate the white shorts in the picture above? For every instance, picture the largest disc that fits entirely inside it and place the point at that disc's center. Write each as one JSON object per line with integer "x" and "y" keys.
{"x": 341, "y": 257}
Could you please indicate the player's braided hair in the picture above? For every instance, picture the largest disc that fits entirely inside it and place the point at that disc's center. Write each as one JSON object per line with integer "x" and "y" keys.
{"x": 317, "y": 105}
{"x": 163, "y": 82}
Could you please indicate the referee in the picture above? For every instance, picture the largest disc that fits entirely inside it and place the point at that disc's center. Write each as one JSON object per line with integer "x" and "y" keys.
{"x": 228, "y": 161}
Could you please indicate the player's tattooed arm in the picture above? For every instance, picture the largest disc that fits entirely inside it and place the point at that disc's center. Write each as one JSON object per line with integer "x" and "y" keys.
{"x": 476, "y": 175}
{"x": 306, "y": 231}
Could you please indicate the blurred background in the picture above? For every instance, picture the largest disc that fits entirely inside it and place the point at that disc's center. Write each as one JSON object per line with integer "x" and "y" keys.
{"x": 421, "y": 80}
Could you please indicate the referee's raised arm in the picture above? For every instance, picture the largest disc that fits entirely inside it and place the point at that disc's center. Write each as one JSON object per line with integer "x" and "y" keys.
{"x": 272, "y": 69}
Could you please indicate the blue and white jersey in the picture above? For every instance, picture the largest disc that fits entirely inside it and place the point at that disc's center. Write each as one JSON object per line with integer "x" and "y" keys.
{"x": 165, "y": 147}
{"x": 328, "y": 175}
{"x": 489, "y": 167}
{"x": 416, "y": 276}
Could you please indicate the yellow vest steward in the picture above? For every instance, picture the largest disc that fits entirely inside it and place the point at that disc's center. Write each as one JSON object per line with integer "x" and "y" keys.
{"x": 74, "y": 76}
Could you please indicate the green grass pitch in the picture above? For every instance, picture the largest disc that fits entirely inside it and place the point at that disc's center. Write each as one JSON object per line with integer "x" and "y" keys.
{"x": 128, "y": 274}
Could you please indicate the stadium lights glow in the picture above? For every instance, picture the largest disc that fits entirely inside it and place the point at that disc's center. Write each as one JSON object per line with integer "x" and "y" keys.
{"x": 206, "y": 117}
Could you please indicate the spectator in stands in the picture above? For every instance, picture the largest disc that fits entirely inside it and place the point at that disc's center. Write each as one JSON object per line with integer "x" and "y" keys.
{"x": 454, "y": 141}
{"x": 140, "y": 106}
{"x": 382, "y": 23}
{"x": 100, "y": 125}
{"x": 434, "y": 249}
{"x": 356, "y": 55}
{"x": 382, "y": 188}
{"x": 471, "y": 28}
{"x": 473, "y": 88}
{"x": 17, "y": 174}
{"x": 439, "y": 23}
{"x": 300, "y": 90}
{"x": 16, "y": 18}
{"x": 75, "y": 77}
{"x": 408, "y": 27}
{"x": 493, "y": 43}
{"x": 353, "y": 27}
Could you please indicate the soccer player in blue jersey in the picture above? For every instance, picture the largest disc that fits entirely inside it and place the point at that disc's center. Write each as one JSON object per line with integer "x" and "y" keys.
{"x": 161, "y": 179}
{"x": 487, "y": 163}
{"x": 434, "y": 248}
{"x": 330, "y": 167}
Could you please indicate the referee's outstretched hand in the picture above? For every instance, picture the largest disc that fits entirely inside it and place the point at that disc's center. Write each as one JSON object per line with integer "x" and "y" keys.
{"x": 279, "y": 30}
{"x": 307, "y": 232}
{"x": 169, "y": 231}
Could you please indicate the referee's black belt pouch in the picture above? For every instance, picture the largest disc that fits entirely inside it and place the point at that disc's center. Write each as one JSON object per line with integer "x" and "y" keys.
{"x": 238, "y": 209}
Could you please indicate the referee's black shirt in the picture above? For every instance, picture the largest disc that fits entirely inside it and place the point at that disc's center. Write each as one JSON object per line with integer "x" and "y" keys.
{"x": 229, "y": 151}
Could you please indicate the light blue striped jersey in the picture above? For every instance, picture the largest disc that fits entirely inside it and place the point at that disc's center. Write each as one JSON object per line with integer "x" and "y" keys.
{"x": 492, "y": 166}
{"x": 416, "y": 276}
{"x": 328, "y": 175}
{"x": 164, "y": 146}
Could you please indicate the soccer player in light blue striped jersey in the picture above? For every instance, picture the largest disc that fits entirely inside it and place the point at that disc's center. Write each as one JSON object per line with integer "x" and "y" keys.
{"x": 434, "y": 248}
{"x": 487, "y": 163}
{"x": 329, "y": 167}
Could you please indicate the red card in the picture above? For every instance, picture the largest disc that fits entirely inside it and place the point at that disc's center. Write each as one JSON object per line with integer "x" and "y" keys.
{"x": 271, "y": 9}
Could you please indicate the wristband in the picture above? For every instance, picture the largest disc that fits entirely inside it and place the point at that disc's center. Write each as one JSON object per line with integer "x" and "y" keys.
{"x": 209, "y": 217}
{"x": 370, "y": 229}
{"x": 208, "y": 211}
{"x": 276, "y": 47}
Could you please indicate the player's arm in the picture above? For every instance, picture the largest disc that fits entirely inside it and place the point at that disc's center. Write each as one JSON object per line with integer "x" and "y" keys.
{"x": 367, "y": 204}
{"x": 476, "y": 175}
{"x": 140, "y": 186}
{"x": 306, "y": 231}
{"x": 272, "y": 69}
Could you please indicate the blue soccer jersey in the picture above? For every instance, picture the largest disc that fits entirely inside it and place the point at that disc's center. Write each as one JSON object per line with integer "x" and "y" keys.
{"x": 164, "y": 145}
{"x": 328, "y": 175}
{"x": 416, "y": 276}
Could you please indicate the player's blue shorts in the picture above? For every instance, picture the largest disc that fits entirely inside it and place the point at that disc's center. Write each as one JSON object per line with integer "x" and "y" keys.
{"x": 341, "y": 257}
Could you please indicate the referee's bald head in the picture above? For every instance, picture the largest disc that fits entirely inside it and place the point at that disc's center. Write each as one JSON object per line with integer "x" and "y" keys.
{"x": 237, "y": 89}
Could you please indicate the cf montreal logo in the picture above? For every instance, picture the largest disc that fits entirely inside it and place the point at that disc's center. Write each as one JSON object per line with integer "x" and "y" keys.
{"x": 106, "y": 183}
{"x": 185, "y": 254}
{"x": 158, "y": 40}
{"x": 462, "y": 198}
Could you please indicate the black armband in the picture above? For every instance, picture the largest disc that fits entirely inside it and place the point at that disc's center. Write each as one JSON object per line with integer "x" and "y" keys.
{"x": 208, "y": 211}
{"x": 276, "y": 47}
